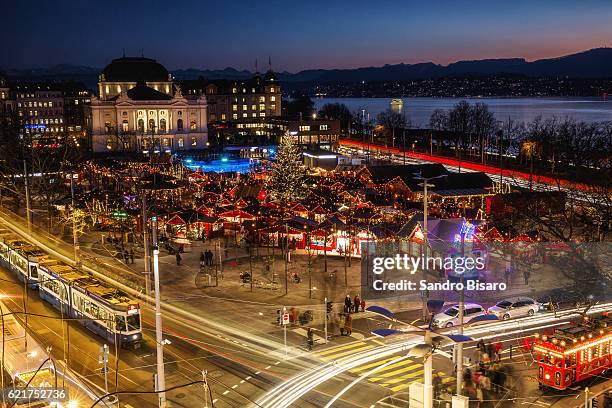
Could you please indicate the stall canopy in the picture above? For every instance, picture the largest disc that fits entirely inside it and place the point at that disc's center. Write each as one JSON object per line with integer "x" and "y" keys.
{"x": 237, "y": 214}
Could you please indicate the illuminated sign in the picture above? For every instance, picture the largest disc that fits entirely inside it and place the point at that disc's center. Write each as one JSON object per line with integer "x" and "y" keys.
{"x": 132, "y": 309}
{"x": 35, "y": 126}
{"x": 467, "y": 231}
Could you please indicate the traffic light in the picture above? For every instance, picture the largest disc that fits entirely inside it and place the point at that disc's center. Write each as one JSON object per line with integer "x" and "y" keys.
{"x": 329, "y": 306}
{"x": 594, "y": 403}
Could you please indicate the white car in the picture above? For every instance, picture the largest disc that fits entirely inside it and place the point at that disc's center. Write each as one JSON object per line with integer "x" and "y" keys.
{"x": 514, "y": 307}
{"x": 450, "y": 317}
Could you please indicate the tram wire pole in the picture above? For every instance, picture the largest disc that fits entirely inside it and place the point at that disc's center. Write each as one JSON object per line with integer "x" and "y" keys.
{"x": 161, "y": 379}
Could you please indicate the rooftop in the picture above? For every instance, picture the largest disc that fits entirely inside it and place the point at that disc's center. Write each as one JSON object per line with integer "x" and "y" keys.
{"x": 135, "y": 69}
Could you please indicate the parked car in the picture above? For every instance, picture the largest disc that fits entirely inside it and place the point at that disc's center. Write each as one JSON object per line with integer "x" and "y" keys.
{"x": 450, "y": 317}
{"x": 564, "y": 298}
{"x": 514, "y": 307}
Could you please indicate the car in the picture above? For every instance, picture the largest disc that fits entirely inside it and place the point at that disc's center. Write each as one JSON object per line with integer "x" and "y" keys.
{"x": 514, "y": 307}
{"x": 564, "y": 298}
{"x": 450, "y": 317}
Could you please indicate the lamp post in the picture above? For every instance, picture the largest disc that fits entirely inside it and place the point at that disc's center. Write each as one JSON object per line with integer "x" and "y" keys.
{"x": 425, "y": 184}
{"x": 75, "y": 233}
{"x": 160, "y": 384}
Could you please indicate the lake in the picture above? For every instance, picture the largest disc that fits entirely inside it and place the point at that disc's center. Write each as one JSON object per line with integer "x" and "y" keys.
{"x": 521, "y": 109}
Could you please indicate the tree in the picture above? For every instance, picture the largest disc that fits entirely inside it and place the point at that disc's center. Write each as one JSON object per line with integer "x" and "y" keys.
{"x": 288, "y": 181}
{"x": 482, "y": 125}
{"x": 338, "y": 111}
{"x": 394, "y": 123}
{"x": 438, "y": 121}
{"x": 459, "y": 122}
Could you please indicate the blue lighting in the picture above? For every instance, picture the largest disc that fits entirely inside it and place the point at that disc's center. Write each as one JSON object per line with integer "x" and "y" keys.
{"x": 223, "y": 165}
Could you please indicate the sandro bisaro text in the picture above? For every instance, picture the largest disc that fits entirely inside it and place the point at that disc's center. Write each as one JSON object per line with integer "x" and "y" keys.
{"x": 457, "y": 266}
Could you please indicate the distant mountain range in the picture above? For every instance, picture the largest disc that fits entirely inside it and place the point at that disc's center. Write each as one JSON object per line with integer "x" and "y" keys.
{"x": 595, "y": 63}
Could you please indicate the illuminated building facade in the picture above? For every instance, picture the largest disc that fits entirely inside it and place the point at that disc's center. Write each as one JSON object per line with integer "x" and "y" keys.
{"x": 140, "y": 109}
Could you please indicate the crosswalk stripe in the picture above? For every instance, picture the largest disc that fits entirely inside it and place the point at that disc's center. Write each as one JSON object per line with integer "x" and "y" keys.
{"x": 401, "y": 387}
{"x": 333, "y": 349}
{"x": 346, "y": 353}
{"x": 396, "y": 365}
{"x": 448, "y": 379}
{"x": 414, "y": 375}
{"x": 404, "y": 377}
{"x": 396, "y": 372}
{"x": 374, "y": 364}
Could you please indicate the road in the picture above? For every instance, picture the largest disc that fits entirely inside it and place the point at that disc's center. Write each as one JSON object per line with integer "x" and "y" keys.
{"x": 242, "y": 349}
{"x": 515, "y": 181}
{"x": 373, "y": 361}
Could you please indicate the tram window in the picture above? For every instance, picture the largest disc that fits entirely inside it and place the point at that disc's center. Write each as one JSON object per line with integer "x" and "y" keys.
{"x": 568, "y": 362}
{"x": 120, "y": 323}
{"x": 33, "y": 271}
{"x": 133, "y": 322}
{"x": 87, "y": 307}
{"x": 93, "y": 310}
{"x": 102, "y": 315}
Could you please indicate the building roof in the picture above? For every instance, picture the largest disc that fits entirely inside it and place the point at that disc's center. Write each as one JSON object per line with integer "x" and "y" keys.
{"x": 386, "y": 173}
{"x": 144, "y": 93}
{"x": 134, "y": 69}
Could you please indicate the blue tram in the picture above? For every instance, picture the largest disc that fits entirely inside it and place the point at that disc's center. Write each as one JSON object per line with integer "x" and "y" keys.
{"x": 106, "y": 311}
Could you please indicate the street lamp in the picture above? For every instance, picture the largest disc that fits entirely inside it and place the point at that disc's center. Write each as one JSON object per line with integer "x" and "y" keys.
{"x": 160, "y": 384}
{"x": 425, "y": 184}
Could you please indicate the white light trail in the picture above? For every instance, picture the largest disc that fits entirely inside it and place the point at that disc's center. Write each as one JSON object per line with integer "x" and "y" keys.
{"x": 290, "y": 391}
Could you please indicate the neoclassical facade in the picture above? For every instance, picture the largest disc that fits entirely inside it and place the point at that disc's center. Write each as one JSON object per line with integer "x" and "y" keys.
{"x": 140, "y": 109}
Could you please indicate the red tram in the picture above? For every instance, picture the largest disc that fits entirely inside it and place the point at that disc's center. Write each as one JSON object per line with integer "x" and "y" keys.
{"x": 574, "y": 352}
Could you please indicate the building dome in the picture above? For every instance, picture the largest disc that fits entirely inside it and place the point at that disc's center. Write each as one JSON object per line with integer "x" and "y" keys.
{"x": 135, "y": 69}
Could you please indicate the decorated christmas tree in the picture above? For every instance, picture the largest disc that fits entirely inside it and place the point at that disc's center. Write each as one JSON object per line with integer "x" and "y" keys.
{"x": 288, "y": 181}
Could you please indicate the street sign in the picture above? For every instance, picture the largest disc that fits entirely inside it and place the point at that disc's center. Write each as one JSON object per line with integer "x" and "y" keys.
{"x": 285, "y": 318}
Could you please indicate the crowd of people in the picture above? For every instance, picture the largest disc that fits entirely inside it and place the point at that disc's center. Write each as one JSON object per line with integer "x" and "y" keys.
{"x": 484, "y": 382}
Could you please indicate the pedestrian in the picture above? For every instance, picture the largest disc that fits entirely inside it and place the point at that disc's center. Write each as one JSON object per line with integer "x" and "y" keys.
{"x": 437, "y": 386}
{"x": 479, "y": 396}
{"x": 203, "y": 258}
{"x": 132, "y": 255}
{"x": 507, "y": 274}
{"x": 341, "y": 323}
{"x": 347, "y": 304}
{"x": 349, "y": 325}
{"x": 356, "y": 302}
{"x": 181, "y": 248}
{"x": 126, "y": 256}
{"x": 362, "y": 305}
{"x": 499, "y": 347}
{"x": 310, "y": 336}
{"x": 211, "y": 258}
{"x": 178, "y": 258}
{"x": 526, "y": 276}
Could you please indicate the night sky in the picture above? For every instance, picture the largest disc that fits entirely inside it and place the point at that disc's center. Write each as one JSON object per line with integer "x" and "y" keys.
{"x": 296, "y": 34}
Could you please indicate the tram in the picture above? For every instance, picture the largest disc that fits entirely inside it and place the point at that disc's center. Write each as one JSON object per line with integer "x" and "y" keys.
{"x": 21, "y": 257}
{"x": 106, "y": 311}
{"x": 574, "y": 352}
